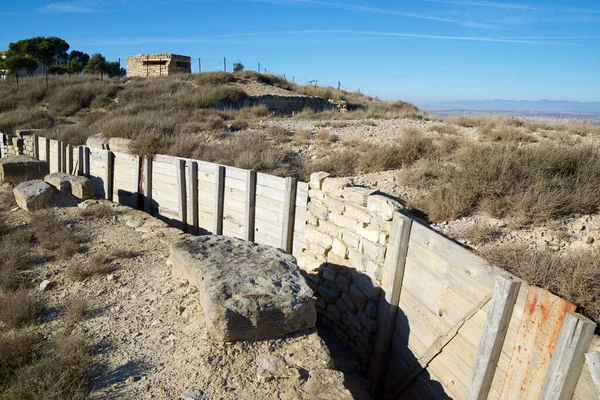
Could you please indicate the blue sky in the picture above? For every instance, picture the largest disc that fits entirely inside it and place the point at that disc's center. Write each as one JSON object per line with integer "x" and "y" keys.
{"x": 411, "y": 50}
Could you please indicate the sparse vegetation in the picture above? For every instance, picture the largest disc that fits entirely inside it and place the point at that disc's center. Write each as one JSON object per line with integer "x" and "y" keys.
{"x": 574, "y": 275}
{"x": 92, "y": 266}
{"x": 19, "y": 308}
{"x": 54, "y": 235}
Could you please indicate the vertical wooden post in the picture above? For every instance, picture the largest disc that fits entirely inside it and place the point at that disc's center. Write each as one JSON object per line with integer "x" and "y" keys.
{"x": 567, "y": 359}
{"x": 504, "y": 298}
{"x": 289, "y": 211}
{"x": 219, "y": 200}
{"x": 47, "y": 150}
{"x": 63, "y": 151}
{"x": 250, "y": 206}
{"x": 593, "y": 361}
{"x": 192, "y": 182}
{"x": 70, "y": 159}
{"x": 391, "y": 283}
{"x": 80, "y": 152}
{"x": 36, "y": 146}
{"x": 86, "y": 162}
{"x": 182, "y": 194}
{"x": 148, "y": 184}
{"x": 108, "y": 177}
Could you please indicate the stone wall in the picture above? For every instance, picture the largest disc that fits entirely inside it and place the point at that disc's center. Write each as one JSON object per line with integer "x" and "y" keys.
{"x": 145, "y": 65}
{"x": 285, "y": 104}
{"x": 347, "y": 232}
{"x": 14, "y": 145}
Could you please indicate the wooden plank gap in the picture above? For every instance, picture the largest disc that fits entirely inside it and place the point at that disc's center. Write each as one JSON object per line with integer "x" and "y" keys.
{"x": 109, "y": 176}
{"x": 250, "y": 215}
{"x": 219, "y": 200}
{"x": 148, "y": 184}
{"x": 181, "y": 194}
{"x": 192, "y": 182}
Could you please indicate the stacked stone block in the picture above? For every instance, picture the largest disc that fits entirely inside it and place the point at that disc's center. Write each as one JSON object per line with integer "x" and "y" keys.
{"x": 347, "y": 232}
{"x": 164, "y": 64}
{"x": 15, "y": 145}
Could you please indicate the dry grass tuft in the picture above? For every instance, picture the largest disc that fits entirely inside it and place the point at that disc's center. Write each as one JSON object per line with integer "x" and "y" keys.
{"x": 64, "y": 373}
{"x": 479, "y": 233}
{"x": 93, "y": 266}
{"x": 528, "y": 184}
{"x": 325, "y": 136}
{"x": 279, "y": 134}
{"x": 52, "y": 234}
{"x": 574, "y": 276}
{"x": 100, "y": 210}
{"x": 337, "y": 163}
{"x": 77, "y": 309}
{"x": 123, "y": 253}
{"x": 444, "y": 129}
{"x": 19, "y": 308}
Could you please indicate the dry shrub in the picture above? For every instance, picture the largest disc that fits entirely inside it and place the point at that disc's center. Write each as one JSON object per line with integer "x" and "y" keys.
{"x": 213, "y": 78}
{"x": 324, "y": 136}
{"x": 464, "y": 121}
{"x": 75, "y": 134}
{"x": 69, "y": 99}
{"x": 65, "y": 373}
{"x": 479, "y": 233}
{"x": 380, "y": 158}
{"x": 16, "y": 350}
{"x": 19, "y": 308}
{"x": 574, "y": 276}
{"x": 238, "y": 125}
{"x": 52, "y": 234}
{"x": 413, "y": 144}
{"x": 303, "y": 137}
{"x": 77, "y": 309}
{"x": 92, "y": 266}
{"x": 445, "y": 129}
{"x": 33, "y": 118}
{"x": 279, "y": 134}
{"x": 525, "y": 183}
{"x": 15, "y": 250}
{"x": 98, "y": 211}
{"x": 332, "y": 124}
{"x": 506, "y": 133}
{"x": 123, "y": 253}
{"x": 337, "y": 163}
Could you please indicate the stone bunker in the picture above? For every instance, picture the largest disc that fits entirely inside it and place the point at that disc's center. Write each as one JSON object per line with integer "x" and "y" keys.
{"x": 164, "y": 64}
{"x": 248, "y": 291}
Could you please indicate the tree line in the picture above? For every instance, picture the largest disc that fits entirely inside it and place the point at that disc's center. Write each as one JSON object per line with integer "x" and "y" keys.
{"x": 52, "y": 53}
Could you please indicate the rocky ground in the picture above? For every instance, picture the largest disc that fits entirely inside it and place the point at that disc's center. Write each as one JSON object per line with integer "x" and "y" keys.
{"x": 146, "y": 329}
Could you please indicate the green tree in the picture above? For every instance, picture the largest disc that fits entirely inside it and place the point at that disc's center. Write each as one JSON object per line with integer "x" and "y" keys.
{"x": 238, "y": 66}
{"x": 96, "y": 64}
{"x": 75, "y": 67}
{"x": 113, "y": 69}
{"x": 47, "y": 51}
{"x": 81, "y": 58}
{"x": 16, "y": 63}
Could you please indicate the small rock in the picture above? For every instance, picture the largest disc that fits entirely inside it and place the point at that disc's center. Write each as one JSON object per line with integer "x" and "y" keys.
{"x": 110, "y": 277}
{"x": 589, "y": 239}
{"x": 269, "y": 367}
{"x": 132, "y": 379}
{"x": 192, "y": 395}
{"x": 44, "y": 285}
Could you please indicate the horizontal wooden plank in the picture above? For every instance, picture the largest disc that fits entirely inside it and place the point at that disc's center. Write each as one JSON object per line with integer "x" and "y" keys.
{"x": 270, "y": 181}
{"x": 463, "y": 259}
{"x": 270, "y": 193}
{"x": 271, "y": 217}
{"x": 261, "y": 238}
{"x": 269, "y": 204}
{"x": 447, "y": 273}
{"x": 235, "y": 173}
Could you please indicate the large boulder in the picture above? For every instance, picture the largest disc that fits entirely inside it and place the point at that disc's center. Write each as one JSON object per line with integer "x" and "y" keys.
{"x": 120, "y": 145}
{"x": 247, "y": 291}
{"x": 33, "y": 195}
{"x": 97, "y": 141}
{"x": 79, "y": 186}
{"x": 21, "y": 169}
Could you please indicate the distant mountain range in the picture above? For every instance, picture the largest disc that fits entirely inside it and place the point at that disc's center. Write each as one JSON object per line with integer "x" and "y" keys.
{"x": 543, "y": 106}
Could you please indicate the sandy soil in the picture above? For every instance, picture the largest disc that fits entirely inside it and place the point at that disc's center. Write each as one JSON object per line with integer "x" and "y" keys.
{"x": 146, "y": 329}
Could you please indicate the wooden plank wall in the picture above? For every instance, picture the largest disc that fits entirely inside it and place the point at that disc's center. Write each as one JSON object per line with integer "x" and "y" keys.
{"x": 126, "y": 179}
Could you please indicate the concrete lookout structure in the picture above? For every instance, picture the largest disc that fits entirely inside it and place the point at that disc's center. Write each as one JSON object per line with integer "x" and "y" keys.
{"x": 145, "y": 65}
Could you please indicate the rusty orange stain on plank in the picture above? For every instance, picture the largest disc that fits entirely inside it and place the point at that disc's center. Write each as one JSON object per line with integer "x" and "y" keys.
{"x": 542, "y": 319}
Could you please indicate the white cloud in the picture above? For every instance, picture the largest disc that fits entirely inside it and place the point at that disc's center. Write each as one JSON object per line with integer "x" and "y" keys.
{"x": 76, "y": 7}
